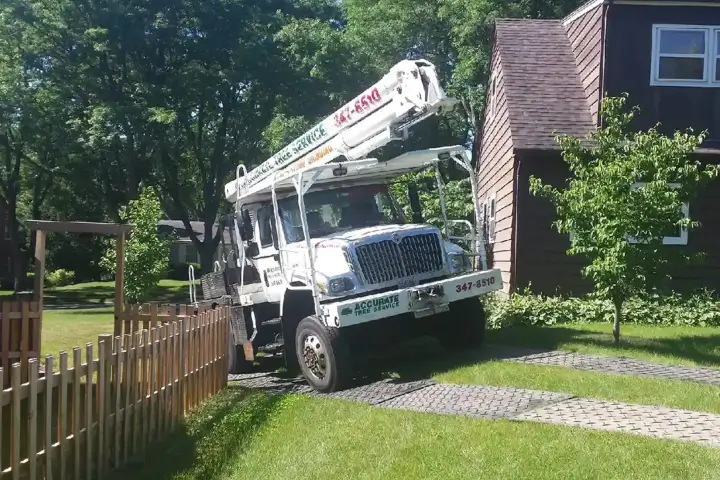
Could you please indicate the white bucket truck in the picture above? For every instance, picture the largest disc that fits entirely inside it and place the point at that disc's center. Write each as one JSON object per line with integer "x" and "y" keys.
{"x": 323, "y": 263}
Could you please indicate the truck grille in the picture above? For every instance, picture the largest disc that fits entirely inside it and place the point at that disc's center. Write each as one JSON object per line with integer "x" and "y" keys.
{"x": 385, "y": 261}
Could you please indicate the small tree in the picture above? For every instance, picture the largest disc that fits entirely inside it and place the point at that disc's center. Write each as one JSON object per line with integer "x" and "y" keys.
{"x": 146, "y": 252}
{"x": 616, "y": 222}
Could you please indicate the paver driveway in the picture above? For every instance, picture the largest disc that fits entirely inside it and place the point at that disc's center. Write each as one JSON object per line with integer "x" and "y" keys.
{"x": 533, "y": 405}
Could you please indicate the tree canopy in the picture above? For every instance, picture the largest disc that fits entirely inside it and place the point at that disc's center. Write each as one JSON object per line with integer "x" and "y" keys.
{"x": 100, "y": 98}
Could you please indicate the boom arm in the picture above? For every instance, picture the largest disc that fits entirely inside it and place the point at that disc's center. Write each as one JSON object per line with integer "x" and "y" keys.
{"x": 406, "y": 95}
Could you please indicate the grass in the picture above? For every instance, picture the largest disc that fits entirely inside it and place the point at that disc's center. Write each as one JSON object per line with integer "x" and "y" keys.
{"x": 103, "y": 292}
{"x": 699, "y": 346}
{"x": 238, "y": 435}
{"x": 65, "y": 329}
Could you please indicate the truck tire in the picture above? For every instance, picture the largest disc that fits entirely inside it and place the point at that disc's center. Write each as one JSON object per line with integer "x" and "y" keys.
{"x": 236, "y": 358}
{"x": 323, "y": 356}
{"x": 463, "y": 327}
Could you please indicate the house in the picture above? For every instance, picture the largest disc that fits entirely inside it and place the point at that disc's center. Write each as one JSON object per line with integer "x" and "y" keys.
{"x": 550, "y": 76}
{"x": 183, "y": 251}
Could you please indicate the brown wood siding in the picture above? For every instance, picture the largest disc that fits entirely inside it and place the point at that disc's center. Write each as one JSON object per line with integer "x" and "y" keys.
{"x": 542, "y": 261}
{"x": 628, "y": 54}
{"x": 541, "y": 258}
{"x": 585, "y": 35}
{"x": 495, "y": 175}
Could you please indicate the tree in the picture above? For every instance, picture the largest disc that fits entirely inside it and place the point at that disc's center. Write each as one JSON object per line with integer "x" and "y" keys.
{"x": 626, "y": 192}
{"x": 147, "y": 251}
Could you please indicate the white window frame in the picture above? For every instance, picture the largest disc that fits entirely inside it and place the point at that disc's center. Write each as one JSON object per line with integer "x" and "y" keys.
{"x": 683, "y": 238}
{"x": 492, "y": 216}
{"x": 710, "y": 56}
{"x": 491, "y": 96}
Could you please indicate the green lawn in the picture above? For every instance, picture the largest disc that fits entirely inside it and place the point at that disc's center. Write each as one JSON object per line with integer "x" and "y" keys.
{"x": 240, "y": 436}
{"x": 659, "y": 344}
{"x": 65, "y": 329}
{"x": 311, "y": 437}
{"x": 103, "y": 292}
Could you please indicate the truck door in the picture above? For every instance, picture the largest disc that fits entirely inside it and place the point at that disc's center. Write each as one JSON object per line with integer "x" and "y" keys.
{"x": 267, "y": 260}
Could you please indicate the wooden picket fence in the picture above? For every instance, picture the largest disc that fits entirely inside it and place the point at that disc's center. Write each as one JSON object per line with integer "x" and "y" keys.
{"x": 133, "y": 318}
{"x": 82, "y": 421}
{"x": 20, "y": 324}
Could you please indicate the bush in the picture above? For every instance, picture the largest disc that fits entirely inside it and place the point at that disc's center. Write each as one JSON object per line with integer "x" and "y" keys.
{"x": 702, "y": 309}
{"x": 59, "y": 278}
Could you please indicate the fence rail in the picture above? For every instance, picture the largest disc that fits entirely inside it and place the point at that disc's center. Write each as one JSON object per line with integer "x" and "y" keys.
{"x": 20, "y": 323}
{"x": 79, "y": 422}
{"x": 133, "y": 318}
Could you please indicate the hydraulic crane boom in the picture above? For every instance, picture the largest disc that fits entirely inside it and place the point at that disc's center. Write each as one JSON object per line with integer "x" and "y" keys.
{"x": 406, "y": 95}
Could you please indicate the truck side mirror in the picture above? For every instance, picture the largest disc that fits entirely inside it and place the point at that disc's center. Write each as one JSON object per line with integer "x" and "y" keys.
{"x": 244, "y": 225}
{"x": 414, "y": 198}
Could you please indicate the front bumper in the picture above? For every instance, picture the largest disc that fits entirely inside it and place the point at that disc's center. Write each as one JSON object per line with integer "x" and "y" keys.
{"x": 422, "y": 300}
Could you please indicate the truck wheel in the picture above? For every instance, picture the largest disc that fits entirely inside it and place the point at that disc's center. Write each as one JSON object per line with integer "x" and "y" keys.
{"x": 323, "y": 357}
{"x": 463, "y": 326}
{"x": 236, "y": 358}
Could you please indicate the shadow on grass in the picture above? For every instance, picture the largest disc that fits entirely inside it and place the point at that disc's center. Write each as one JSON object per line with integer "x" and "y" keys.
{"x": 702, "y": 348}
{"x": 210, "y": 440}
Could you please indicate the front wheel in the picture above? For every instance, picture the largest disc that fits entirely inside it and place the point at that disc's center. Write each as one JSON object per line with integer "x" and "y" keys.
{"x": 322, "y": 355}
{"x": 463, "y": 326}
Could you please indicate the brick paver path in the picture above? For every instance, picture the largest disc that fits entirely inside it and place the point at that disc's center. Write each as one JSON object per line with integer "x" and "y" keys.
{"x": 514, "y": 404}
{"x": 606, "y": 364}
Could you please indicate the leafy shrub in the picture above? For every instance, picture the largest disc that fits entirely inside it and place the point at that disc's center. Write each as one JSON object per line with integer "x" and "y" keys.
{"x": 525, "y": 308}
{"x": 59, "y": 278}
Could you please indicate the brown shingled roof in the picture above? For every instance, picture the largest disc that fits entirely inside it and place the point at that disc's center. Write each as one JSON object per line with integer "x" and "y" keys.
{"x": 543, "y": 90}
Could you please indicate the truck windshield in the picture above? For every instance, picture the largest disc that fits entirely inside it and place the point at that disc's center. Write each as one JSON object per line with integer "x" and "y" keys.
{"x": 337, "y": 210}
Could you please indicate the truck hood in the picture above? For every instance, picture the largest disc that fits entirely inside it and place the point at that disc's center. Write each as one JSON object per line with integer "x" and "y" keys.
{"x": 343, "y": 238}
{"x": 328, "y": 255}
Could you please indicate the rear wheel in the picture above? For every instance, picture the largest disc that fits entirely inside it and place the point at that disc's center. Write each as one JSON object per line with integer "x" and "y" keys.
{"x": 463, "y": 326}
{"x": 323, "y": 356}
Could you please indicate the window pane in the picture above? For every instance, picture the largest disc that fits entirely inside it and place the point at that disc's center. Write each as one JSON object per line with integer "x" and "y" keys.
{"x": 682, "y": 41}
{"x": 674, "y": 68}
{"x": 717, "y": 70}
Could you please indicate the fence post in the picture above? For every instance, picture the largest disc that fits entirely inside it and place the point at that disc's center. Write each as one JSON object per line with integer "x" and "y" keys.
{"x": 32, "y": 416}
{"x": 117, "y": 378}
{"x": 63, "y": 413}
{"x": 47, "y": 438}
{"x": 77, "y": 425}
{"x": 15, "y": 422}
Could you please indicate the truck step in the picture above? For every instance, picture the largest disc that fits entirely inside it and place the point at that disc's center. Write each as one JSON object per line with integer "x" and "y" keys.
{"x": 271, "y": 347}
{"x": 272, "y": 321}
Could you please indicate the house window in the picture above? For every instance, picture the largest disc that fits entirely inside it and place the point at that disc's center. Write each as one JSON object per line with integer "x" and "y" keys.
{"x": 686, "y": 56}
{"x": 191, "y": 254}
{"x": 678, "y": 235}
{"x": 492, "y": 88}
{"x": 492, "y": 210}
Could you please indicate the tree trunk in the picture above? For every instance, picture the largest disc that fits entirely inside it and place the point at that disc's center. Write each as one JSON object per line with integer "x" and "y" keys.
{"x": 617, "y": 303}
{"x": 207, "y": 252}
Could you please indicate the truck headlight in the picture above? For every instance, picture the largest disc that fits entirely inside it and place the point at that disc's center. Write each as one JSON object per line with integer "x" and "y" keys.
{"x": 459, "y": 262}
{"x": 340, "y": 285}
